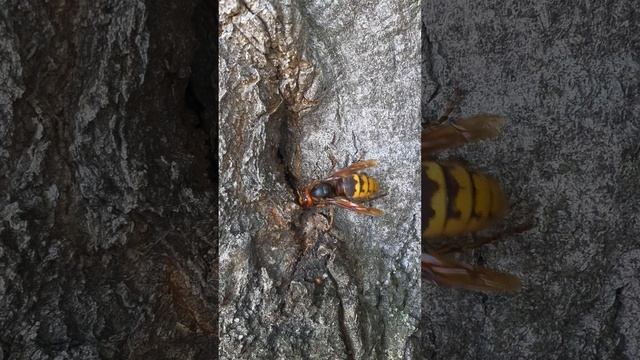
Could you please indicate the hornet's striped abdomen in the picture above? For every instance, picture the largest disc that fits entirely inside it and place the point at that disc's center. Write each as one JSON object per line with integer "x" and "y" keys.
{"x": 458, "y": 201}
{"x": 360, "y": 186}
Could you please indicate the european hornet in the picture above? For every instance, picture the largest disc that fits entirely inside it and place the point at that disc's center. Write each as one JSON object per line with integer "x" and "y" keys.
{"x": 457, "y": 201}
{"x": 347, "y": 188}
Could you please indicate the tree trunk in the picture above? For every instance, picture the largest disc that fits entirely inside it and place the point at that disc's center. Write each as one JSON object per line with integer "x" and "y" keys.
{"x": 108, "y": 198}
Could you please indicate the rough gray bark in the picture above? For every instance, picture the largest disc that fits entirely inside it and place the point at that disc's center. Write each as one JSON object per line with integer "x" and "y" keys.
{"x": 567, "y": 78}
{"x": 107, "y": 207}
{"x": 302, "y": 83}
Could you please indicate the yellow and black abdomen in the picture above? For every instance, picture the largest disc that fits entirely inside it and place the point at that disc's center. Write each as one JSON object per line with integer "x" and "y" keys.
{"x": 359, "y": 187}
{"x": 457, "y": 201}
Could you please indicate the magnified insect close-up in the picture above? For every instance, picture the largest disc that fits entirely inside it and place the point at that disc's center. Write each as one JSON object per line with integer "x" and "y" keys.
{"x": 456, "y": 204}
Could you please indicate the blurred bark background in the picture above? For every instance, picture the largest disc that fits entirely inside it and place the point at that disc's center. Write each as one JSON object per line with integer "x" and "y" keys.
{"x": 107, "y": 184}
{"x": 567, "y": 78}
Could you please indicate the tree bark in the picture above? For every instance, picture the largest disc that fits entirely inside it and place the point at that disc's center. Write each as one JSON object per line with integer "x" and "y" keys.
{"x": 108, "y": 199}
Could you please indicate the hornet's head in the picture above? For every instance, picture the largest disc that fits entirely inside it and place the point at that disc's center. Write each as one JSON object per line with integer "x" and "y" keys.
{"x": 304, "y": 198}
